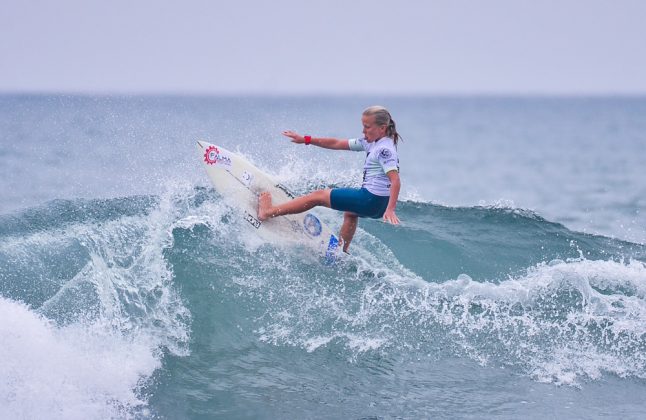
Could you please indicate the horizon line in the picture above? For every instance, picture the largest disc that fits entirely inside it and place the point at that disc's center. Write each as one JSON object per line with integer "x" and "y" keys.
{"x": 320, "y": 94}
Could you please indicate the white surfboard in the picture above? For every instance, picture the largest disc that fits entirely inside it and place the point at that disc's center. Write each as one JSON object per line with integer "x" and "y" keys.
{"x": 240, "y": 183}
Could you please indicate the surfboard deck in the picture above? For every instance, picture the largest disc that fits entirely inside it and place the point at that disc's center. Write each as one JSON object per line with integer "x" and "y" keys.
{"x": 240, "y": 183}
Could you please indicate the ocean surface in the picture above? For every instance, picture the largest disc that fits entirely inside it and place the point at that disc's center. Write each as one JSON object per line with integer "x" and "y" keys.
{"x": 515, "y": 286}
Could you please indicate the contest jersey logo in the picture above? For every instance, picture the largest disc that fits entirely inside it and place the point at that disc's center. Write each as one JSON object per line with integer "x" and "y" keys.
{"x": 385, "y": 154}
{"x": 213, "y": 156}
{"x": 312, "y": 225}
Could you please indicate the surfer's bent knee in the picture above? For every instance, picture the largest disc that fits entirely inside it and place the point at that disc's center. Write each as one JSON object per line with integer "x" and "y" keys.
{"x": 323, "y": 197}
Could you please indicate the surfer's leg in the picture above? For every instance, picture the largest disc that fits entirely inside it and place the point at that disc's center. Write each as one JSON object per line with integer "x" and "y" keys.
{"x": 297, "y": 205}
{"x": 348, "y": 228}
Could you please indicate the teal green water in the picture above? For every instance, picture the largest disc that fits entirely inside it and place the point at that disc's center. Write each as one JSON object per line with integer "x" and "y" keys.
{"x": 164, "y": 303}
{"x": 255, "y": 330}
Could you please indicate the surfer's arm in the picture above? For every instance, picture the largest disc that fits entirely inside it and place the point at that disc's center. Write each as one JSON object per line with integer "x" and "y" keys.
{"x": 395, "y": 185}
{"x": 324, "y": 142}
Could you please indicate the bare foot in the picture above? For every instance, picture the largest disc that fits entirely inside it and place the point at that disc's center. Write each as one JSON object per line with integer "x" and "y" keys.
{"x": 264, "y": 205}
{"x": 342, "y": 245}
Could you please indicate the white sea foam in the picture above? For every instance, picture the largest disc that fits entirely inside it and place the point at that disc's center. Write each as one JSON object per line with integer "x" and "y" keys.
{"x": 565, "y": 321}
{"x": 561, "y": 322}
{"x": 71, "y": 372}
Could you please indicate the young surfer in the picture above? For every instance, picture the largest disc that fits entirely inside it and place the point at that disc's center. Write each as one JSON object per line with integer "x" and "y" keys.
{"x": 379, "y": 191}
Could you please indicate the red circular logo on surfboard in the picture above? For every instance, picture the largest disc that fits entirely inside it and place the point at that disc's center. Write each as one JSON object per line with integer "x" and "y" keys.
{"x": 211, "y": 155}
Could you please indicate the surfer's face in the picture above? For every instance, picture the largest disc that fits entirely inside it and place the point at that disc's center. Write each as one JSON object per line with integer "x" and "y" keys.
{"x": 371, "y": 130}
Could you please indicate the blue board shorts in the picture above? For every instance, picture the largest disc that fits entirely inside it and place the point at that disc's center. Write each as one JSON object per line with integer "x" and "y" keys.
{"x": 361, "y": 202}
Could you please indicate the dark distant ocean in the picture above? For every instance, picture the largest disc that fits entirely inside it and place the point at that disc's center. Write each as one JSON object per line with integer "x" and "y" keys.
{"x": 515, "y": 286}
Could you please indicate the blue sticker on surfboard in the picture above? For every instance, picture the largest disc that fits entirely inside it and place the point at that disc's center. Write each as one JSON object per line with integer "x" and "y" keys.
{"x": 332, "y": 248}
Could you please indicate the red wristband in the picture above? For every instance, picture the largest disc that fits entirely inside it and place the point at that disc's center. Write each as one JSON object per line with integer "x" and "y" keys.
{"x": 308, "y": 139}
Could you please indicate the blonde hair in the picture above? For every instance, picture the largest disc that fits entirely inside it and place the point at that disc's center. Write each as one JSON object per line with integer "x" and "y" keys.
{"x": 383, "y": 117}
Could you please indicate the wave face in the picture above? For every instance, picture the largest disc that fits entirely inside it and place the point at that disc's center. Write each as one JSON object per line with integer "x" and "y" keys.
{"x": 88, "y": 307}
{"x": 170, "y": 306}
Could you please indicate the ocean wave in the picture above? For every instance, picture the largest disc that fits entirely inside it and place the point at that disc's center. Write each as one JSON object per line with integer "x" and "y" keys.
{"x": 564, "y": 322}
{"x": 497, "y": 285}
{"x": 94, "y": 306}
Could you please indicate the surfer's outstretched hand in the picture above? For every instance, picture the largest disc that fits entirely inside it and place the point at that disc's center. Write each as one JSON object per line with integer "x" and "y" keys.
{"x": 391, "y": 217}
{"x": 296, "y": 138}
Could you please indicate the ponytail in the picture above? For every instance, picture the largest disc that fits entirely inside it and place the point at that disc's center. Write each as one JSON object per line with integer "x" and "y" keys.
{"x": 383, "y": 117}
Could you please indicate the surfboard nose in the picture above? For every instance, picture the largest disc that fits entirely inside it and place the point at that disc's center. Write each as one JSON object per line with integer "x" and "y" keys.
{"x": 203, "y": 145}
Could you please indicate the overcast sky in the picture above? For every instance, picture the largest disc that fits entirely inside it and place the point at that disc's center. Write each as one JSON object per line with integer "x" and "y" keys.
{"x": 333, "y": 46}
